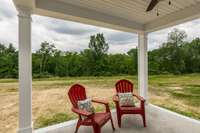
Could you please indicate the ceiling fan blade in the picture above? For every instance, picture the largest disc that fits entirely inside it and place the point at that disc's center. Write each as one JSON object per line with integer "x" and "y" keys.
{"x": 152, "y": 4}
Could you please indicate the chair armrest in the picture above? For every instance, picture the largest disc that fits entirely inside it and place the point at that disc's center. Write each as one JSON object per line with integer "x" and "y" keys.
{"x": 115, "y": 98}
{"x": 82, "y": 112}
{"x": 100, "y": 101}
{"x": 142, "y": 101}
{"x": 106, "y": 103}
{"x": 139, "y": 97}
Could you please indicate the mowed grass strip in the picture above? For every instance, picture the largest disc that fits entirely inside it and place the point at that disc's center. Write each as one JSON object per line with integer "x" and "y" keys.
{"x": 51, "y": 105}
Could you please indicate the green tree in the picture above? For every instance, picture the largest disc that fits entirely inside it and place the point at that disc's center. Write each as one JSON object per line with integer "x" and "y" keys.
{"x": 8, "y": 61}
{"x": 192, "y": 56}
{"x": 174, "y": 56}
{"x": 176, "y": 37}
{"x": 98, "y": 45}
{"x": 98, "y": 49}
{"x": 133, "y": 53}
{"x": 171, "y": 54}
{"x": 45, "y": 52}
{"x": 154, "y": 62}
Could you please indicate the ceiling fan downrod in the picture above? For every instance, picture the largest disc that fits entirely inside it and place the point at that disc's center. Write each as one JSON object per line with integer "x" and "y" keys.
{"x": 169, "y": 2}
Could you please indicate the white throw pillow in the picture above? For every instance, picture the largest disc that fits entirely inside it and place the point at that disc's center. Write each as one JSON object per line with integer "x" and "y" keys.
{"x": 126, "y": 99}
{"x": 86, "y": 105}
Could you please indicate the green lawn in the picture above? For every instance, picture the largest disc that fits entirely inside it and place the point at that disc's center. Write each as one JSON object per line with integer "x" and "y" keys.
{"x": 51, "y": 105}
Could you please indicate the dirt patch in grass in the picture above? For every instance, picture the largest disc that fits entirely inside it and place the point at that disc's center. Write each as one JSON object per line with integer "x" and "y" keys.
{"x": 8, "y": 109}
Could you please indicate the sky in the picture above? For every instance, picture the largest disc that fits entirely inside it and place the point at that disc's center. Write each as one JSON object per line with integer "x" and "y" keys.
{"x": 72, "y": 36}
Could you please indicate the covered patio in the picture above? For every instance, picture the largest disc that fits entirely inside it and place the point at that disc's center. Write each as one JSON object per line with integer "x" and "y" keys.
{"x": 127, "y": 15}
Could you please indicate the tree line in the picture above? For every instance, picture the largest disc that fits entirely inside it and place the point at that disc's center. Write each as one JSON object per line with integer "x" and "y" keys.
{"x": 175, "y": 56}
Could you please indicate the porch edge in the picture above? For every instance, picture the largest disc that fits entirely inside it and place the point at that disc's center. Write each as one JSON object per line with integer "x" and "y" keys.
{"x": 175, "y": 113}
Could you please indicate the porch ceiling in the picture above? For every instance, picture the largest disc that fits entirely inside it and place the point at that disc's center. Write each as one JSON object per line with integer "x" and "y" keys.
{"x": 126, "y": 15}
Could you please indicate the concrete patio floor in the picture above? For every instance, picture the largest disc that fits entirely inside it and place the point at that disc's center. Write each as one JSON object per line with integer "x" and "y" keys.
{"x": 159, "y": 120}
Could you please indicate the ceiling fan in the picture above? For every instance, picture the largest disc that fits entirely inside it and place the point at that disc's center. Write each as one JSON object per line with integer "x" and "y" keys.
{"x": 153, "y": 3}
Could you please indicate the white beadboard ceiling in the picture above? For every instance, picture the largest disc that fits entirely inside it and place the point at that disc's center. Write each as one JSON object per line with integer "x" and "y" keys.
{"x": 126, "y": 15}
{"x": 134, "y": 10}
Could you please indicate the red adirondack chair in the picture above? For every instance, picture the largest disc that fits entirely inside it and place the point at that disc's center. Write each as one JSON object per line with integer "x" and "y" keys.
{"x": 96, "y": 120}
{"x": 123, "y": 86}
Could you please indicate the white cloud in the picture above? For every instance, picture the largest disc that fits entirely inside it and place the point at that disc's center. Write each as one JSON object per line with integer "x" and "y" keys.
{"x": 118, "y": 48}
{"x": 8, "y": 22}
{"x": 71, "y": 36}
{"x": 191, "y": 28}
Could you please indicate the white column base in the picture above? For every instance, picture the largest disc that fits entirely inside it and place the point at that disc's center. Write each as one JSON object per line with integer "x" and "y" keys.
{"x": 25, "y": 130}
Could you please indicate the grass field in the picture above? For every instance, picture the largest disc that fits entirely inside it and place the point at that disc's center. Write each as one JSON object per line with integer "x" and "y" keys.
{"x": 51, "y": 105}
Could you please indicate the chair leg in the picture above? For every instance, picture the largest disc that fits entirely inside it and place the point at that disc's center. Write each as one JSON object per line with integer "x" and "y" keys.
{"x": 96, "y": 129}
{"x": 144, "y": 119}
{"x": 77, "y": 127}
{"x": 112, "y": 123}
{"x": 119, "y": 119}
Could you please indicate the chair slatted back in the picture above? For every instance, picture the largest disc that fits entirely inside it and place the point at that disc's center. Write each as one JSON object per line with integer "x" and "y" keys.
{"x": 76, "y": 93}
{"x": 123, "y": 86}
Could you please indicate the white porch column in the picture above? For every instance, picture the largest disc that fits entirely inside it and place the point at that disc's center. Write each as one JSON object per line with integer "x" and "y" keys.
{"x": 25, "y": 71}
{"x": 143, "y": 65}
